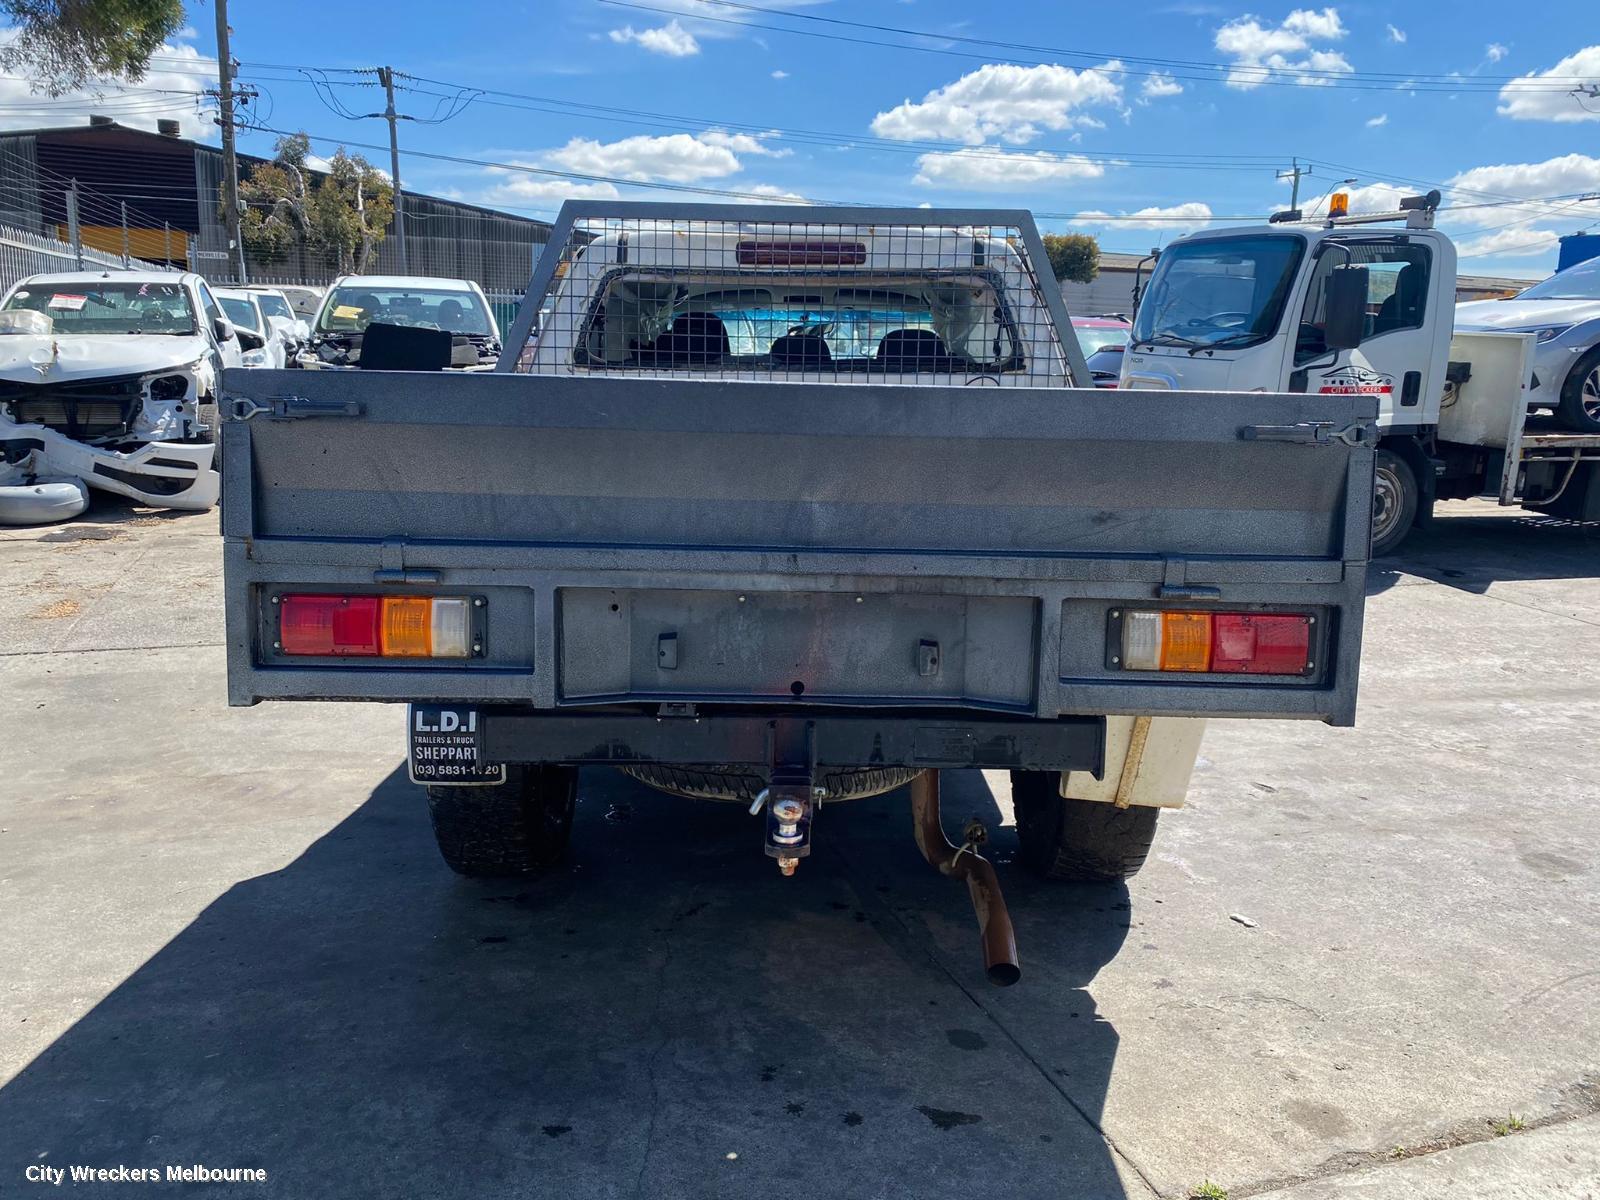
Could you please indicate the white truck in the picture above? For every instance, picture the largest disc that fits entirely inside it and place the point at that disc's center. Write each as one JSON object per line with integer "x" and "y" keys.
{"x": 1364, "y": 304}
{"x": 787, "y": 507}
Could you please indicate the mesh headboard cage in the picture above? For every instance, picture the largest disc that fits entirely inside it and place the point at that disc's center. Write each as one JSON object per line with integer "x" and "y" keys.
{"x": 796, "y": 293}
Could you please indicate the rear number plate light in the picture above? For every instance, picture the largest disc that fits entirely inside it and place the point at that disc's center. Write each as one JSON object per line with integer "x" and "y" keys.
{"x": 1234, "y": 643}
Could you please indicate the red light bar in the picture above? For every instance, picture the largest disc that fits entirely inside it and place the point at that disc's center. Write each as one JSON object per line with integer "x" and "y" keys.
{"x": 342, "y": 625}
{"x": 801, "y": 254}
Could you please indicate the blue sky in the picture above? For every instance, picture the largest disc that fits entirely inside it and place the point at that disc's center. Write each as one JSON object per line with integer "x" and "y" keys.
{"x": 1132, "y": 122}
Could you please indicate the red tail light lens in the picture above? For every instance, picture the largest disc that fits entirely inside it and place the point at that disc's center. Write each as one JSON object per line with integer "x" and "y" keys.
{"x": 343, "y": 625}
{"x": 1260, "y": 643}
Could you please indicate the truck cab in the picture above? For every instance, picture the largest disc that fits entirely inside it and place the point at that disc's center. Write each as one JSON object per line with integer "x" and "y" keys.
{"x": 1247, "y": 310}
{"x": 1363, "y": 305}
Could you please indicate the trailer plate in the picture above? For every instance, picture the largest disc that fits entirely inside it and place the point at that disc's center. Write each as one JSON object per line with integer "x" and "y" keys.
{"x": 446, "y": 746}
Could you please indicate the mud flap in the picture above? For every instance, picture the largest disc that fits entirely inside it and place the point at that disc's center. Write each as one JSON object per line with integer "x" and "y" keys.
{"x": 446, "y": 747}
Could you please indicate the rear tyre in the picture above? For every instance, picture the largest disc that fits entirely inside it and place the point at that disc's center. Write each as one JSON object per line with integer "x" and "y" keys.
{"x": 1580, "y": 395}
{"x": 1394, "y": 502}
{"x": 1083, "y": 840}
{"x": 519, "y": 827}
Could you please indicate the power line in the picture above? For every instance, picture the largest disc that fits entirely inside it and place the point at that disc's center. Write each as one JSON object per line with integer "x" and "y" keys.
{"x": 1555, "y": 81}
{"x": 1257, "y": 74}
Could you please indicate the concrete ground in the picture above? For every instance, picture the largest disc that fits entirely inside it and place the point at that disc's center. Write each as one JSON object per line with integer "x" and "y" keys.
{"x": 226, "y": 937}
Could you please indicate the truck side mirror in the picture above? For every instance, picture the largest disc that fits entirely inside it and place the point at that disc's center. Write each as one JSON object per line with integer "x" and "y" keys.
{"x": 1344, "y": 308}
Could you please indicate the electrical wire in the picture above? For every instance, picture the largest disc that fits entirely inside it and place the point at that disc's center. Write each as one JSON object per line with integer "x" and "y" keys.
{"x": 1257, "y": 74}
{"x": 1452, "y": 81}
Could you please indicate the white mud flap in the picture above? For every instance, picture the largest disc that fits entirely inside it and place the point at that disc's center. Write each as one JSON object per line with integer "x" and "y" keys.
{"x": 1148, "y": 762}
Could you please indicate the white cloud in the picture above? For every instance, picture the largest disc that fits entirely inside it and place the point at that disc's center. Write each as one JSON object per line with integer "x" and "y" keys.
{"x": 1258, "y": 52}
{"x": 708, "y": 20}
{"x": 1000, "y": 101}
{"x": 1397, "y": 36}
{"x": 998, "y": 170}
{"x": 1378, "y": 121}
{"x": 1176, "y": 218}
{"x": 1521, "y": 242}
{"x": 744, "y": 143}
{"x": 671, "y": 39}
{"x": 1321, "y": 26}
{"x": 1563, "y": 175}
{"x": 1158, "y": 85}
{"x": 1539, "y": 96}
{"x": 515, "y": 189}
{"x": 675, "y": 158}
{"x": 780, "y": 74}
{"x": 1368, "y": 198}
{"x": 769, "y": 194}
{"x": 1494, "y": 52}
{"x": 161, "y": 94}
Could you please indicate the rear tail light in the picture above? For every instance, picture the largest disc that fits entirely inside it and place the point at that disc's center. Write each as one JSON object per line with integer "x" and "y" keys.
{"x": 376, "y": 626}
{"x": 1228, "y": 642}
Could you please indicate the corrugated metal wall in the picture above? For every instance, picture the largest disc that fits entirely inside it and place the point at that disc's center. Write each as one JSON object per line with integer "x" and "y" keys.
{"x": 1110, "y": 292}
{"x": 19, "y": 183}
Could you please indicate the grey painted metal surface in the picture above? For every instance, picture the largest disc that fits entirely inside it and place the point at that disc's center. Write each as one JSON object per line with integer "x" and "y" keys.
{"x": 1027, "y": 506}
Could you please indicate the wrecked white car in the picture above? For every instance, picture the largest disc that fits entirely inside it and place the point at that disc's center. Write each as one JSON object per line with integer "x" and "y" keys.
{"x": 108, "y": 380}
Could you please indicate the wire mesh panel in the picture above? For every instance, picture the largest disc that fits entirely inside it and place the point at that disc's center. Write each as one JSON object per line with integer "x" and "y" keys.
{"x": 23, "y": 253}
{"x": 835, "y": 295}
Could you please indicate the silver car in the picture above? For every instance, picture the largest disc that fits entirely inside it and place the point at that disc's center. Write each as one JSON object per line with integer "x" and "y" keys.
{"x": 1564, "y": 312}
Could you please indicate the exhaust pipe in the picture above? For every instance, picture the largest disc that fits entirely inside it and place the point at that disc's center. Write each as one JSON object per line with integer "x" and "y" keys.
{"x": 999, "y": 940}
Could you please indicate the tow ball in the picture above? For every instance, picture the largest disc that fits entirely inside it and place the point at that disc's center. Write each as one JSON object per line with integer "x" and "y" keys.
{"x": 789, "y": 813}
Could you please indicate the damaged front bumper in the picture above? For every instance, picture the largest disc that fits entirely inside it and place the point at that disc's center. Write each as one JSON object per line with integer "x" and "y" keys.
{"x": 161, "y": 474}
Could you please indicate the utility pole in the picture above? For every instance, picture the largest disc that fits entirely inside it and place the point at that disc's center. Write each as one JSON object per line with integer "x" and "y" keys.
{"x": 230, "y": 158}
{"x": 1294, "y": 174}
{"x": 126, "y": 257}
{"x": 74, "y": 231}
{"x": 386, "y": 75}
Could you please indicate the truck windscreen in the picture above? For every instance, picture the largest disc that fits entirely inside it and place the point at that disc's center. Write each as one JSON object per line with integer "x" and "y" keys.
{"x": 1221, "y": 290}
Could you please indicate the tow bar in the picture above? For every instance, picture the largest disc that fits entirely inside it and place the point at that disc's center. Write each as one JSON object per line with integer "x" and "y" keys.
{"x": 791, "y": 801}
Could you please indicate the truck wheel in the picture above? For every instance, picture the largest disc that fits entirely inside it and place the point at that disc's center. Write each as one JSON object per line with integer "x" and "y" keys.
{"x": 1082, "y": 840}
{"x": 518, "y": 827}
{"x": 1394, "y": 502}
{"x": 1580, "y": 395}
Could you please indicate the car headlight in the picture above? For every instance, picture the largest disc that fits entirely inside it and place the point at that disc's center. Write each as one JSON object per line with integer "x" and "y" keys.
{"x": 169, "y": 387}
{"x": 1546, "y": 333}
